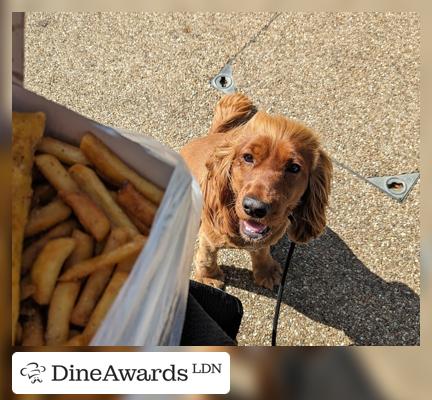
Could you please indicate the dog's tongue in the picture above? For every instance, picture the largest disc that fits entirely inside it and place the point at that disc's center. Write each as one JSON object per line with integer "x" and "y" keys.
{"x": 255, "y": 227}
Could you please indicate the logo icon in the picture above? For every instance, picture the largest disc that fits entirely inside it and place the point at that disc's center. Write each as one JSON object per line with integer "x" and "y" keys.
{"x": 33, "y": 371}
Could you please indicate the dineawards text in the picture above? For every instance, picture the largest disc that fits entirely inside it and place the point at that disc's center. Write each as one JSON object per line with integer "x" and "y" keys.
{"x": 112, "y": 374}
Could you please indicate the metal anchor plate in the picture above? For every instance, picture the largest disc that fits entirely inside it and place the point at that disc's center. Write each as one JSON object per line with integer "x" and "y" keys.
{"x": 224, "y": 81}
{"x": 396, "y": 186}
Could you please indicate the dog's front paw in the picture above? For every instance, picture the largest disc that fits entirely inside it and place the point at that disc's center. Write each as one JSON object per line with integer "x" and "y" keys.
{"x": 268, "y": 275}
{"x": 212, "y": 282}
{"x": 216, "y": 280}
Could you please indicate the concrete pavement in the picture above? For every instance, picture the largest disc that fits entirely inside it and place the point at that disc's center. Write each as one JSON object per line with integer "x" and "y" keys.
{"x": 354, "y": 77}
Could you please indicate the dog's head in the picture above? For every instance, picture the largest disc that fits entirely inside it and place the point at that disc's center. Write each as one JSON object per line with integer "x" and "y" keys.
{"x": 271, "y": 170}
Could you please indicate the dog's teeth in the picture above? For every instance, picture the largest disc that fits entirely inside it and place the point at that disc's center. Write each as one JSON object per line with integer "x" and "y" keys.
{"x": 254, "y": 227}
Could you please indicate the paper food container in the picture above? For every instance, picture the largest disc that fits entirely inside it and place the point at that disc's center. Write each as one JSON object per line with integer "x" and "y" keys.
{"x": 150, "y": 308}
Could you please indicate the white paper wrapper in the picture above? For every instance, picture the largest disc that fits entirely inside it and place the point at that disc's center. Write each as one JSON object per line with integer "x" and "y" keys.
{"x": 149, "y": 310}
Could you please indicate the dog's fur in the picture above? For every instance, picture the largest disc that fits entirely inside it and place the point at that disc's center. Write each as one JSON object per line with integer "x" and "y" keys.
{"x": 297, "y": 200}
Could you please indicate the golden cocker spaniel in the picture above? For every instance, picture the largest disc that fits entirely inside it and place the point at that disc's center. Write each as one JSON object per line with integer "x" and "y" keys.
{"x": 261, "y": 175}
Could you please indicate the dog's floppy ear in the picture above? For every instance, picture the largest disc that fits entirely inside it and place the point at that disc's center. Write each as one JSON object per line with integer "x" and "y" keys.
{"x": 216, "y": 188}
{"x": 231, "y": 111}
{"x": 309, "y": 218}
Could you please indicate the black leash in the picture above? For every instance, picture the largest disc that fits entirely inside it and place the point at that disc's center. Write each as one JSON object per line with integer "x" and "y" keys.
{"x": 280, "y": 292}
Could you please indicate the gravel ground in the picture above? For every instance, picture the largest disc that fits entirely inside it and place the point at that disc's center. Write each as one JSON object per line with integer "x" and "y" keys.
{"x": 354, "y": 77}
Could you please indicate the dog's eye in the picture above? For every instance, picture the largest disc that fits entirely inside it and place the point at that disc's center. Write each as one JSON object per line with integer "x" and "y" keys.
{"x": 248, "y": 158}
{"x": 294, "y": 168}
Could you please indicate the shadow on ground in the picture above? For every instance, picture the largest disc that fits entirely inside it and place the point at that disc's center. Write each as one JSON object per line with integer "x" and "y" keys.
{"x": 329, "y": 284}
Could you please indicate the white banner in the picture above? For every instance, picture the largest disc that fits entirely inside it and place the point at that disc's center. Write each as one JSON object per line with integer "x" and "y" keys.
{"x": 120, "y": 372}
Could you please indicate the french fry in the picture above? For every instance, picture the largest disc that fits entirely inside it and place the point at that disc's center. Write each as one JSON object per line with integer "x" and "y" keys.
{"x": 60, "y": 308}
{"x": 47, "y": 267}
{"x": 115, "y": 169}
{"x": 136, "y": 205}
{"x": 42, "y": 194}
{"x": 40, "y": 219}
{"x": 65, "y": 152}
{"x": 88, "y": 213}
{"x": 84, "y": 248}
{"x": 104, "y": 260}
{"x": 65, "y": 293}
{"x": 32, "y": 251}
{"x": 74, "y": 332}
{"x": 27, "y": 288}
{"x": 78, "y": 340}
{"x": 90, "y": 183}
{"x": 55, "y": 173}
{"x": 97, "y": 281}
{"x": 143, "y": 228}
{"x": 27, "y": 130}
{"x": 32, "y": 328}
{"x": 126, "y": 265}
{"x": 105, "y": 302}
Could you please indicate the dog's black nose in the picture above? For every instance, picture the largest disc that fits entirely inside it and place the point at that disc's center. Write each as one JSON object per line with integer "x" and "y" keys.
{"x": 255, "y": 208}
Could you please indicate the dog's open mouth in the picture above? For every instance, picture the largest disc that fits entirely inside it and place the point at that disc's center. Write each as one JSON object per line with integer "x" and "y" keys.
{"x": 253, "y": 229}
